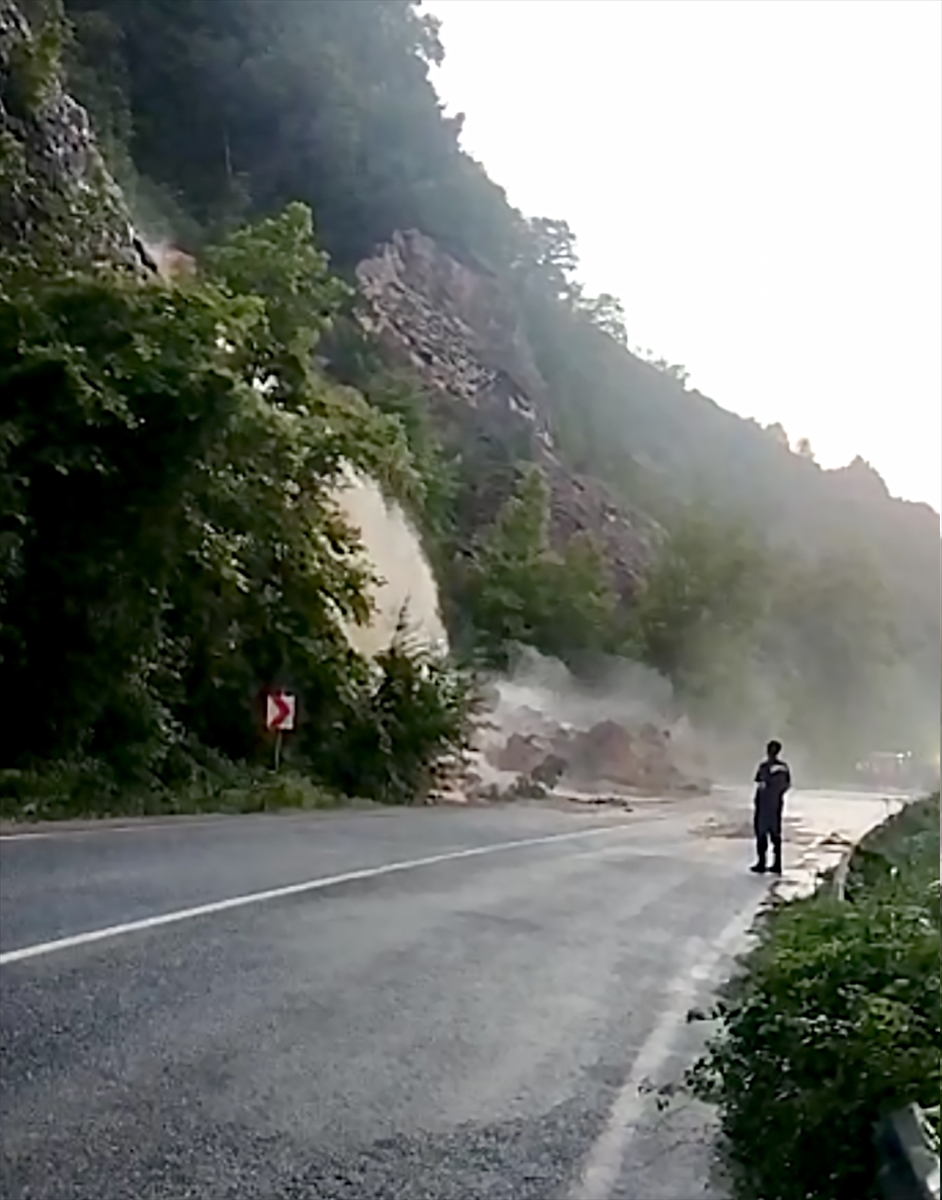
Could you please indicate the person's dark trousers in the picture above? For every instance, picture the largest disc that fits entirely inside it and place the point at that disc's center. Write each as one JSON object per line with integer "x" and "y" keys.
{"x": 768, "y": 827}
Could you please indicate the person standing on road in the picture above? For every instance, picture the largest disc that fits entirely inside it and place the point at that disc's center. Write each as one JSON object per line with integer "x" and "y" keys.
{"x": 773, "y": 779}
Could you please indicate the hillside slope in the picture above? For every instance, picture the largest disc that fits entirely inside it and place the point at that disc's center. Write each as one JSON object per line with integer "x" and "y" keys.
{"x": 459, "y": 331}
{"x": 237, "y": 106}
{"x": 782, "y": 594}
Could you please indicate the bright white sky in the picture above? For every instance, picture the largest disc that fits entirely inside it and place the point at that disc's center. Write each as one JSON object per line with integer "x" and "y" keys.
{"x": 759, "y": 182}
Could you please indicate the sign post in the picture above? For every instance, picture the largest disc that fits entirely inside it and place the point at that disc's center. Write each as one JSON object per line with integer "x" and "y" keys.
{"x": 280, "y": 711}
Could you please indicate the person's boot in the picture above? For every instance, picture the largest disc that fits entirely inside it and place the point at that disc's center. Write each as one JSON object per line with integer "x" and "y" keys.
{"x": 758, "y": 868}
{"x": 777, "y": 867}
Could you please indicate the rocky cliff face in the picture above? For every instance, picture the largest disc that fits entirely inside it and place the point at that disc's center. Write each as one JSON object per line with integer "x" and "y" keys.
{"x": 458, "y": 330}
{"x": 57, "y": 198}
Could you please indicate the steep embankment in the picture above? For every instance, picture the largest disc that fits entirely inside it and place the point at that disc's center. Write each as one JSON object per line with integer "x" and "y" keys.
{"x": 58, "y": 197}
{"x": 461, "y": 333}
{"x": 668, "y": 443}
{"x": 853, "y": 560}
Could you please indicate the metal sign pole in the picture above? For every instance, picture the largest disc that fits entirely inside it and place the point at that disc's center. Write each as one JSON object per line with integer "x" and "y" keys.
{"x": 280, "y": 711}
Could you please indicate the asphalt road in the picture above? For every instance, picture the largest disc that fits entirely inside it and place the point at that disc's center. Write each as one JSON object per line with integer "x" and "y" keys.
{"x": 463, "y": 1026}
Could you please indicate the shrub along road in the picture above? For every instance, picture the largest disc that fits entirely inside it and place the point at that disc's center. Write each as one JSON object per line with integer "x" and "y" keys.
{"x": 422, "y": 1004}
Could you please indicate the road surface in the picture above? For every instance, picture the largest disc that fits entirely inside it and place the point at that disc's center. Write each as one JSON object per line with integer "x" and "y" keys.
{"x": 401, "y": 1005}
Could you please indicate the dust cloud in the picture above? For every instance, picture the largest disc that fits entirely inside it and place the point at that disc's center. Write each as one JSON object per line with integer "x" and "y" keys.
{"x": 616, "y": 726}
{"x": 541, "y": 698}
{"x": 619, "y": 690}
{"x": 171, "y": 263}
{"x": 408, "y": 591}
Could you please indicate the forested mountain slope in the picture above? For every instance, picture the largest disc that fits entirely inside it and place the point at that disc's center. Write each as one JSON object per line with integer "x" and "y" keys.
{"x": 571, "y": 495}
{"x": 229, "y": 107}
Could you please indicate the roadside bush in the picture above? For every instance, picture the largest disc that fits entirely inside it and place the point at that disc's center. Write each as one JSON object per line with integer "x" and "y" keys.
{"x": 170, "y": 546}
{"x": 395, "y": 723}
{"x": 80, "y": 788}
{"x": 390, "y": 746}
{"x": 832, "y": 1020}
{"x": 899, "y": 857}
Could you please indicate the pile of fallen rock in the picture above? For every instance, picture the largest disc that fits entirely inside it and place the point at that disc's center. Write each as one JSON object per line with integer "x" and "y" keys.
{"x": 538, "y": 758}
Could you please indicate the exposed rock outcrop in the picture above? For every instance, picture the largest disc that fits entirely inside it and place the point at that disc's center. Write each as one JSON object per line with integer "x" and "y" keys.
{"x": 57, "y": 198}
{"x": 459, "y": 331}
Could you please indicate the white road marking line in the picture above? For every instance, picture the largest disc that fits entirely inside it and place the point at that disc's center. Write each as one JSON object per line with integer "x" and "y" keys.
{"x": 61, "y": 833}
{"x": 603, "y": 1166}
{"x": 139, "y": 826}
{"x": 294, "y": 889}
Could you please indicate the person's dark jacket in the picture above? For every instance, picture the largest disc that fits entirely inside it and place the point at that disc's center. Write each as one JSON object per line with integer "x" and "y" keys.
{"x": 774, "y": 779}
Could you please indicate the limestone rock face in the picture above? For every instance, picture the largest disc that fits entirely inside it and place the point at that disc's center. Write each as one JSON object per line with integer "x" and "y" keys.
{"x": 57, "y": 198}
{"x": 458, "y": 330}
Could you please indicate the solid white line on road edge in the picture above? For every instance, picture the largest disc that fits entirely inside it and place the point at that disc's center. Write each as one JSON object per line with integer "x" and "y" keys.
{"x": 63, "y": 833}
{"x": 603, "y": 1166}
{"x": 138, "y": 825}
{"x": 293, "y": 889}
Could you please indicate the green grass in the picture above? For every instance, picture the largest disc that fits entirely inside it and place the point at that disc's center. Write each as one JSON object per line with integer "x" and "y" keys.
{"x": 70, "y": 790}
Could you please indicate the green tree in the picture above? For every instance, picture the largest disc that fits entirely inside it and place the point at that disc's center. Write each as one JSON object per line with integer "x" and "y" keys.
{"x": 676, "y": 371}
{"x": 171, "y": 543}
{"x": 607, "y": 313}
{"x": 113, "y": 393}
{"x": 278, "y": 260}
{"x": 584, "y": 609}
{"x": 522, "y": 592}
{"x": 553, "y": 246}
{"x": 833, "y": 632}
{"x": 393, "y": 740}
{"x": 241, "y": 106}
{"x": 506, "y": 594}
{"x": 702, "y": 599}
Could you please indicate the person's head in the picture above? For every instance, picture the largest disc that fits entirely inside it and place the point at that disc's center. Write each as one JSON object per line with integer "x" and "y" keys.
{"x": 774, "y": 749}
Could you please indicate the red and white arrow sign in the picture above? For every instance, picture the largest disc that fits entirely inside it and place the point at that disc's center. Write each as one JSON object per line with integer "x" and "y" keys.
{"x": 280, "y": 709}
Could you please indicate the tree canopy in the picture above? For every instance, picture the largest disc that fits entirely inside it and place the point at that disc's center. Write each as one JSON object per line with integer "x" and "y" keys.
{"x": 171, "y": 545}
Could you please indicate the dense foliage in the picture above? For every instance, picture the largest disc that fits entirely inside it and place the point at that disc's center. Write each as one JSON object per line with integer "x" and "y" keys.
{"x": 521, "y": 592}
{"x": 171, "y": 548}
{"x": 833, "y": 1020}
